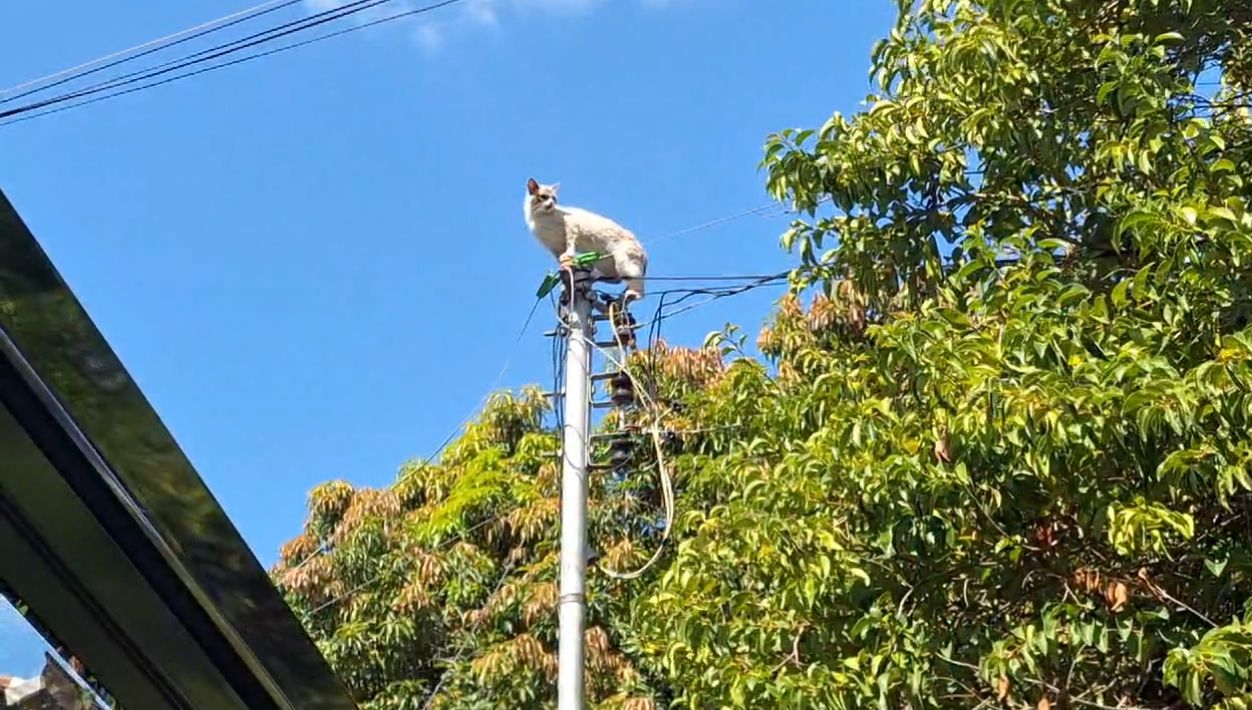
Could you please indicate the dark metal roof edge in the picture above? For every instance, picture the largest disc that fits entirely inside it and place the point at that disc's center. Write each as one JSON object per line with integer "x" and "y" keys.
{"x": 56, "y": 435}
{"x": 141, "y": 485}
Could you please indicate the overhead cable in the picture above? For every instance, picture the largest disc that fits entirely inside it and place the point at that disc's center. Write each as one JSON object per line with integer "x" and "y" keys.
{"x": 216, "y": 53}
{"x": 203, "y": 55}
{"x": 156, "y": 45}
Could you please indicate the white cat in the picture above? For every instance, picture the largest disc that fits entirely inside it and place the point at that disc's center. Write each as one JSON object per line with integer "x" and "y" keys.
{"x": 566, "y": 231}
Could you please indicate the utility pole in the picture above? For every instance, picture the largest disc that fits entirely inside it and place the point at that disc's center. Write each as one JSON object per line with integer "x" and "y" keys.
{"x": 574, "y": 467}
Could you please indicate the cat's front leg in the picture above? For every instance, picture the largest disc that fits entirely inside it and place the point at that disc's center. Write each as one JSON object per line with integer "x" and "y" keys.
{"x": 571, "y": 248}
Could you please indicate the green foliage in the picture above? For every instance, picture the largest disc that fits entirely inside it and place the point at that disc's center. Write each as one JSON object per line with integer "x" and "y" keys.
{"x": 997, "y": 454}
{"x": 440, "y": 591}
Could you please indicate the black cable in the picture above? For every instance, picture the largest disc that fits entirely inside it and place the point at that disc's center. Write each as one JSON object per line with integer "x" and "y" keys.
{"x": 145, "y": 53}
{"x": 722, "y": 291}
{"x": 200, "y": 57}
{"x": 560, "y": 345}
{"x": 654, "y": 339}
{"x": 241, "y": 60}
{"x": 560, "y": 342}
{"x": 715, "y": 297}
{"x": 500, "y": 376}
{"x": 727, "y": 277}
{"x": 726, "y": 292}
{"x": 197, "y": 58}
{"x": 714, "y": 294}
{"x": 204, "y": 70}
{"x": 757, "y": 280}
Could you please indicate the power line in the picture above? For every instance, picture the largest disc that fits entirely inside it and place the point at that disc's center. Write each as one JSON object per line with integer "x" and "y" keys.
{"x": 521, "y": 334}
{"x": 724, "y": 277}
{"x": 760, "y": 210}
{"x": 714, "y": 294}
{"x": 204, "y": 55}
{"x": 772, "y": 209}
{"x": 160, "y": 43}
{"x": 655, "y": 433}
{"x": 667, "y": 483}
{"x": 654, "y": 325}
{"x": 756, "y": 281}
{"x": 473, "y": 528}
{"x": 508, "y": 361}
{"x": 218, "y": 52}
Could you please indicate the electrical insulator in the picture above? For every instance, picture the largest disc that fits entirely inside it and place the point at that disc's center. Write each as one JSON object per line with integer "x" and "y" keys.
{"x": 622, "y": 390}
{"x": 624, "y": 328}
{"x": 620, "y": 452}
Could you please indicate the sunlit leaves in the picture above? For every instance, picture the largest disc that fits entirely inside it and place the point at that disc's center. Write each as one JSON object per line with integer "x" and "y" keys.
{"x": 1031, "y": 457}
{"x": 998, "y": 453}
{"x": 441, "y": 588}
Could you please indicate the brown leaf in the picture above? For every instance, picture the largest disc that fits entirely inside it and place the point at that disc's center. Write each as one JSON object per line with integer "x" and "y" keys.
{"x": 1116, "y": 594}
{"x": 1002, "y": 690}
{"x": 1087, "y": 580}
{"x": 856, "y": 319}
{"x": 1044, "y": 535}
{"x": 941, "y": 449}
{"x": 1044, "y": 704}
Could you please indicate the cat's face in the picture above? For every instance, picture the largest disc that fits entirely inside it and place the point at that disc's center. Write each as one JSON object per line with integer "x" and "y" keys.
{"x": 542, "y": 197}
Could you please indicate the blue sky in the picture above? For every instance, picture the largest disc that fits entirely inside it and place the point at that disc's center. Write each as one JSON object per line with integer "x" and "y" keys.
{"x": 315, "y": 264}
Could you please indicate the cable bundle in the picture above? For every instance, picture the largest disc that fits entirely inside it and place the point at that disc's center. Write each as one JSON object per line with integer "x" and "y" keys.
{"x": 111, "y": 84}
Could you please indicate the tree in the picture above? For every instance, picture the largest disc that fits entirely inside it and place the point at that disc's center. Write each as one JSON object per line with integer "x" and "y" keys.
{"x": 440, "y": 591}
{"x": 997, "y": 454}
{"x": 1007, "y": 456}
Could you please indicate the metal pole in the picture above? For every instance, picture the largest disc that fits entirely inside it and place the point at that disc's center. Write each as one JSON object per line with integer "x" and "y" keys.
{"x": 570, "y": 689}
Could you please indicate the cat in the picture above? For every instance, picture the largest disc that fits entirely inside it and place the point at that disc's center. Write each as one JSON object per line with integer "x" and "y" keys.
{"x": 566, "y": 231}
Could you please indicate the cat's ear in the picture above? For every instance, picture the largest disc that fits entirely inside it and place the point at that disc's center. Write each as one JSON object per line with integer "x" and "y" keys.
{"x": 531, "y": 186}
{"x": 556, "y": 187}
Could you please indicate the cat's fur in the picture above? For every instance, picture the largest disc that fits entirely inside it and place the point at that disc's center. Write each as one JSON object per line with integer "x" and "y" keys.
{"x": 566, "y": 231}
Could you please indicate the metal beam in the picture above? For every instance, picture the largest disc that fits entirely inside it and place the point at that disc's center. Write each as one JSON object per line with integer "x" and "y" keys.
{"x": 108, "y": 533}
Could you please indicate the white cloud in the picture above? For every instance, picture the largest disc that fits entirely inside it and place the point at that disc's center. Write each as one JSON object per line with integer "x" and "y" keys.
{"x": 429, "y": 36}
{"x": 557, "y": 5}
{"x": 431, "y": 30}
{"x": 482, "y": 12}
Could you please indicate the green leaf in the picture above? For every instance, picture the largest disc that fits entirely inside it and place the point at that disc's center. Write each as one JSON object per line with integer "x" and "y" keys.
{"x": 1119, "y": 293}
{"x": 1216, "y": 568}
{"x": 1222, "y": 213}
{"x": 953, "y": 442}
{"x": 1135, "y": 221}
